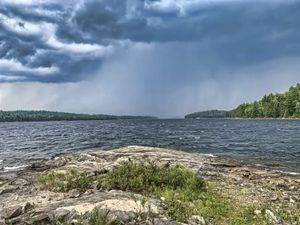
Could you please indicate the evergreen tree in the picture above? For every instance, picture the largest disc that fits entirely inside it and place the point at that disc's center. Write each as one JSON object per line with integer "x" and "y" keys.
{"x": 286, "y": 105}
{"x": 297, "y": 110}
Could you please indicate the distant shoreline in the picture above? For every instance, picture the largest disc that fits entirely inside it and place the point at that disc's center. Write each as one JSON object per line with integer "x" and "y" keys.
{"x": 26, "y": 121}
{"x": 153, "y": 118}
{"x": 44, "y": 116}
{"x": 241, "y": 118}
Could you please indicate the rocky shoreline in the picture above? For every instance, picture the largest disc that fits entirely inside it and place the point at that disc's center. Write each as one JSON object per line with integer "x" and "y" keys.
{"x": 23, "y": 201}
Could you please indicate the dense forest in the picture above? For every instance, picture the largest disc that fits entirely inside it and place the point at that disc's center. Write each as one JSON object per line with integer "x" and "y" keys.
{"x": 11, "y": 116}
{"x": 286, "y": 105}
{"x": 208, "y": 114}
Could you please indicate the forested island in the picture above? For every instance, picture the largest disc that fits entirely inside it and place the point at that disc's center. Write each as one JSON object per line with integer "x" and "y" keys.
{"x": 20, "y": 115}
{"x": 284, "y": 105}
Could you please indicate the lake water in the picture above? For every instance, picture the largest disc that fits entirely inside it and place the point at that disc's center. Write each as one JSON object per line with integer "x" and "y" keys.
{"x": 274, "y": 143}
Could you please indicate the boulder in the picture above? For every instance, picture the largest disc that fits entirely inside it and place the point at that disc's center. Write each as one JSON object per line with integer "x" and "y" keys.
{"x": 196, "y": 220}
{"x": 8, "y": 189}
{"x": 27, "y": 207}
{"x": 73, "y": 193}
{"x": 163, "y": 221}
{"x": 11, "y": 212}
{"x": 43, "y": 218}
{"x": 61, "y": 214}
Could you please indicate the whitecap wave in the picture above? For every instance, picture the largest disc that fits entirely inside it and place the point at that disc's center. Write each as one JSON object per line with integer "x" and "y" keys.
{"x": 289, "y": 173}
{"x": 14, "y": 168}
{"x": 209, "y": 155}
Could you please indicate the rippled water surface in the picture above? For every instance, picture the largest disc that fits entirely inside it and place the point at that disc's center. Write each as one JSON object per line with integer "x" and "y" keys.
{"x": 269, "y": 142}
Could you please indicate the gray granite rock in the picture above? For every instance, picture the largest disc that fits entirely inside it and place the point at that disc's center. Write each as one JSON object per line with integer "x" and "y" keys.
{"x": 11, "y": 212}
{"x": 32, "y": 205}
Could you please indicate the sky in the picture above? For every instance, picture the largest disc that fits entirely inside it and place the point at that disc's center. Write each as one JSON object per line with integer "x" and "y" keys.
{"x": 163, "y": 58}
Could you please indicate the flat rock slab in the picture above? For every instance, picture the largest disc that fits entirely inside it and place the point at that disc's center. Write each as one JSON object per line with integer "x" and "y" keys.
{"x": 43, "y": 206}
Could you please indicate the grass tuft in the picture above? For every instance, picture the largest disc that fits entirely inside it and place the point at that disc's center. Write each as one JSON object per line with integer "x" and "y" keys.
{"x": 150, "y": 178}
{"x": 98, "y": 217}
{"x": 64, "y": 182}
{"x": 180, "y": 187}
{"x": 183, "y": 193}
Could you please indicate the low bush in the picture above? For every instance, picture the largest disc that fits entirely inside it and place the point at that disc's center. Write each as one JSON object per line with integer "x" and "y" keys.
{"x": 98, "y": 217}
{"x": 180, "y": 187}
{"x": 65, "y": 181}
{"x": 150, "y": 178}
{"x": 183, "y": 193}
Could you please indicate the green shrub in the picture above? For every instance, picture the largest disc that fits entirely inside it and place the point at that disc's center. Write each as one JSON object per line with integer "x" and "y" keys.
{"x": 182, "y": 191}
{"x": 71, "y": 179}
{"x": 176, "y": 204}
{"x": 150, "y": 178}
{"x": 98, "y": 217}
{"x": 179, "y": 186}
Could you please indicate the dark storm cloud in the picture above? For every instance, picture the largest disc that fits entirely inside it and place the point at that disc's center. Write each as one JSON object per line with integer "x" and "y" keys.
{"x": 47, "y": 12}
{"x": 55, "y": 42}
{"x": 13, "y": 48}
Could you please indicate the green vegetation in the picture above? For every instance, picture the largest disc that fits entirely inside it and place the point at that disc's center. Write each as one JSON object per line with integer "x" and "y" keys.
{"x": 182, "y": 192}
{"x": 256, "y": 214}
{"x": 65, "y": 181}
{"x": 150, "y": 178}
{"x": 101, "y": 218}
{"x": 12, "y": 116}
{"x": 286, "y": 105}
{"x": 208, "y": 114}
{"x": 96, "y": 217}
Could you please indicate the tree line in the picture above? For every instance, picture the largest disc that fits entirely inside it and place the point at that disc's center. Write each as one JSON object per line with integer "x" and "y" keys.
{"x": 208, "y": 114}
{"x": 13, "y": 116}
{"x": 285, "y": 105}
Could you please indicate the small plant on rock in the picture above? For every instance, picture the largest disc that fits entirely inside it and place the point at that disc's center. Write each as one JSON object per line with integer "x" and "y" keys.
{"x": 65, "y": 181}
{"x": 98, "y": 217}
{"x": 180, "y": 186}
{"x": 150, "y": 178}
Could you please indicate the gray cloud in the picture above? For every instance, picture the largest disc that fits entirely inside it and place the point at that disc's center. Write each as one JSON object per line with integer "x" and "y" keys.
{"x": 242, "y": 32}
{"x": 138, "y": 56}
{"x": 153, "y": 80}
